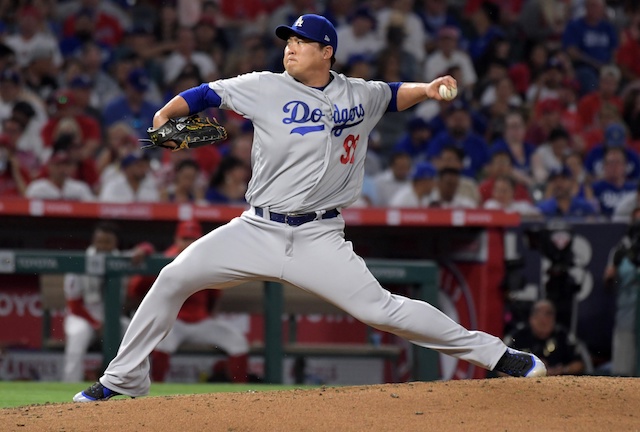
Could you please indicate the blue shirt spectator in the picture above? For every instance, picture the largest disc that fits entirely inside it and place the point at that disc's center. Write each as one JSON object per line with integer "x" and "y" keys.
{"x": 562, "y": 202}
{"x": 133, "y": 108}
{"x": 416, "y": 141}
{"x": 596, "y": 38}
{"x": 460, "y": 135}
{"x": 609, "y": 194}
{"x": 614, "y": 136}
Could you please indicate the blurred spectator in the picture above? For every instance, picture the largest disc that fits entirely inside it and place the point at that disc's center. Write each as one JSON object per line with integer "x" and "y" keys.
{"x": 14, "y": 178}
{"x": 549, "y": 341}
{"x": 81, "y": 87}
{"x": 107, "y": 29}
{"x": 613, "y": 186}
{"x": 550, "y": 155}
{"x": 529, "y": 69}
{"x": 615, "y": 135}
{"x": 500, "y": 165}
{"x": 445, "y": 194}
{"x": 520, "y": 151}
{"x": 416, "y": 141}
{"x": 621, "y": 277}
{"x": 453, "y": 157}
{"x": 185, "y": 54}
{"x": 185, "y": 187}
{"x": 627, "y": 55}
{"x": 236, "y": 14}
{"x": 502, "y": 198}
{"x": 368, "y": 195}
{"x": 29, "y": 41}
{"x": 210, "y": 39}
{"x": 460, "y": 134}
{"x": 591, "y": 42}
{"x": 134, "y": 184}
{"x": 7, "y": 56}
{"x": 548, "y": 83}
{"x": 30, "y": 140}
{"x": 399, "y": 16}
{"x": 84, "y": 314}
{"x": 66, "y": 114}
{"x": 435, "y": 15}
{"x": 543, "y": 21}
{"x": 447, "y": 53}
{"x": 166, "y": 26}
{"x": 589, "y": 105}
{"x": 631, "y": 113}
{"x": 84, "y": 166}
{"x": 574, "y": 161}
{"x": 485, "y": 30}
{"x": 563, "y": 202}
{"x": 550, "y": 118}
{"x": 104, "y": 87}
{"x": 229, "y": 183}
{"x": 338, "y": 11}
{"x": 418, "y": 192}
{"x": 626, "y": 207}
{"x": 389, "y": 181}
{"x": 84, "y": 32}
{"x": 59, "y": 185}
{"x": 40, "y": 74}
{"x": 358, "y": 37}
{"x": 497, "y": 101}
{"x": 120, "y": 141}
{"x": 133, "y": 107}
{"x": 12, "y": 91}
{"x": 13, "y": 130}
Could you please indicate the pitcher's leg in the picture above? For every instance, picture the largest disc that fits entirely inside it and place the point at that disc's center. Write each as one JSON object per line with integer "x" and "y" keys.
{"x": 220, "y": 259}
{"x": 330, "y": 269}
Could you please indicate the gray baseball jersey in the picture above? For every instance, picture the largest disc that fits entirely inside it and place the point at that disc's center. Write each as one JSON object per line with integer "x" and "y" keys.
{"x": 309, "y": 145}
{"x": 308, "y": 156}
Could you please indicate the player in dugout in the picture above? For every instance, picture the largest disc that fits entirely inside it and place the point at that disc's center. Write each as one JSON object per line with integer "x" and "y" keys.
{"x": 197, "y": 322}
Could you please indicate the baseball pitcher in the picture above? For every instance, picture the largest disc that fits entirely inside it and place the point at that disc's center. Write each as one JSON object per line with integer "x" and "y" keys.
{"x": 311, "y": 127}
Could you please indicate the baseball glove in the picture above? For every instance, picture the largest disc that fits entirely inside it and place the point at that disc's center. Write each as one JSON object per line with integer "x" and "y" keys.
{"x": 186, "y": 132}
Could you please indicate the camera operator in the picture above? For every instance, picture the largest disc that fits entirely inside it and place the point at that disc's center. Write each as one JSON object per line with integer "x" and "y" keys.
{"x": 621, "y": 277}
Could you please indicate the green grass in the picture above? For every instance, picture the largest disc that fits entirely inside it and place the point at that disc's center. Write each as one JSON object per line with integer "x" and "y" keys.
{"x": 17, "y": 393}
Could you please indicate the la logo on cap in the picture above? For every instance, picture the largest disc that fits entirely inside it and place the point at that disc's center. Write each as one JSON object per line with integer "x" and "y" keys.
{"x": 298, "y": 22}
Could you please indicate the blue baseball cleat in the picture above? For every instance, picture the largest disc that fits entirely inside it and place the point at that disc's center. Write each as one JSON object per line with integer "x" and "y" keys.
{"x": 97, "y": 392}
{"x": 520, "y": 364}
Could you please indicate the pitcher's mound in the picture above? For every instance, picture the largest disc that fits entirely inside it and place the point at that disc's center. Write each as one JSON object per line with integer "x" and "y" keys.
{"x": 505, "y": 404}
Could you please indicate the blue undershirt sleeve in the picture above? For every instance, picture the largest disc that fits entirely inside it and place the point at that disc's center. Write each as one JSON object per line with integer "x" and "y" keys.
{"x": 200, "y": 98}
{"x": 393, "y": 103}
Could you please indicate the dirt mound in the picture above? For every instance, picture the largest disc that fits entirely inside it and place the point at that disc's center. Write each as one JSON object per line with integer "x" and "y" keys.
{"x": 509, "y": 404}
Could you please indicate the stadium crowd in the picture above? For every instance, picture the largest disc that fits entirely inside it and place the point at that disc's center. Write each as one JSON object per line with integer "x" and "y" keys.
{"x": 546, "y": 122}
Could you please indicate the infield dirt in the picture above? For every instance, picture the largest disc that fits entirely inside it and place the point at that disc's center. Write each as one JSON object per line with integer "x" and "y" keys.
{"x": 502, "y": 404}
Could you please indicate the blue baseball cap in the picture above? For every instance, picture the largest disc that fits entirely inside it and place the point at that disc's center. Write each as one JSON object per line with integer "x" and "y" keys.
{"x": 615, "y": 135}
{"x": 139, "y": 80}
{"x": 423, "y": 170}
{"x": 313, "y": 27}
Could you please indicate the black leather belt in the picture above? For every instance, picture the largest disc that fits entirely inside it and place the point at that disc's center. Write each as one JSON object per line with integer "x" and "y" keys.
{"x": 297, "y": 219}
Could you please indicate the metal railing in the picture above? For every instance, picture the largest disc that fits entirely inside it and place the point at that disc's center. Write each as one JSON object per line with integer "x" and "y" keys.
{"x": 422, "y": 274}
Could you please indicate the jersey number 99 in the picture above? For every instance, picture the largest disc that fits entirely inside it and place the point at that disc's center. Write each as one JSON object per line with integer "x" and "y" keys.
{"x": 350, "y": 144}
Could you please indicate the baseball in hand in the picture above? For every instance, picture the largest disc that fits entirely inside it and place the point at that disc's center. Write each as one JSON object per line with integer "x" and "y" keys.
{"x": 447, "y": 93}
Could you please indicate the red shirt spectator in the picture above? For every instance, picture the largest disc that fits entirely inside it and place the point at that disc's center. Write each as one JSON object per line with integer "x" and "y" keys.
{"x": 107, "y": 29}
{"x": 88, "y": 127}
{"x": 589, "y": 105}
{"x": 627, "y": 56}
{"x": 13, "y": 177}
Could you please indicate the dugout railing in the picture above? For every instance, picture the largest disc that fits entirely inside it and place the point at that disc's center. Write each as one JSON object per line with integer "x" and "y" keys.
{"x": 422, "y": 275}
